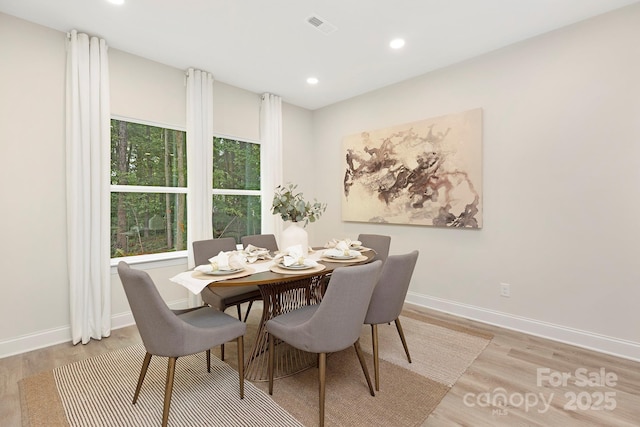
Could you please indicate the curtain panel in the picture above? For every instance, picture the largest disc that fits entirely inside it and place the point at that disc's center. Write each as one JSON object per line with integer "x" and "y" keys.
{"x": 87, "y": 169}
{"x": 271, "y": 159}
{"x": 200, "y": 161}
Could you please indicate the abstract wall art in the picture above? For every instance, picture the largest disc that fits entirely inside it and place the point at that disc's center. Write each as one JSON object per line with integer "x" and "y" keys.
{"x": 422, "y": 173}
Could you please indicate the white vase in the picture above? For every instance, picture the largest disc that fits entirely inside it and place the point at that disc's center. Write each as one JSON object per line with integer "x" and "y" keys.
{"x": 294, "y": 234}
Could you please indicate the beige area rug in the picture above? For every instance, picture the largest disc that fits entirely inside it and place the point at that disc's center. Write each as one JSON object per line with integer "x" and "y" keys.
{"x": 436, "y": 352}
{"x": 98, "y": 391}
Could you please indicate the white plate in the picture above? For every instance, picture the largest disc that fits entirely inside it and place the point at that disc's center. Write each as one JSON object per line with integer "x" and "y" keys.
{"x": 295, "y": 266}
{"x": 223, "y": 272}
{"x": 341, "y": 256}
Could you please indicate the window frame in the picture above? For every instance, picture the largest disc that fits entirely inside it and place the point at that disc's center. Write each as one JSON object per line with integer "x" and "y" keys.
{"x": 175, "y": 257}
{"x": 166, "y": 258}
{"x": 240, "y": 192}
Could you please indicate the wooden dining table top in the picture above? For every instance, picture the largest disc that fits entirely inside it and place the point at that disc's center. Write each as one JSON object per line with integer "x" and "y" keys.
{"x": 270, "y": 277}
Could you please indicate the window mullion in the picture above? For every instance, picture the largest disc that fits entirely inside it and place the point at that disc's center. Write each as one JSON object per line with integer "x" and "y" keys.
{"x": 147, "y": 189}
{"x": 234, "y": 192}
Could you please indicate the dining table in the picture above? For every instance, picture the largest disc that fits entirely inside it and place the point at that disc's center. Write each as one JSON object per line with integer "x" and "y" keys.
{"x": 282, "y": 290}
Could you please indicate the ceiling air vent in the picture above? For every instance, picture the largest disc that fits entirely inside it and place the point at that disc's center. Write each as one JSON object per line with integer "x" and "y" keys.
{"x": 321, "y": 24}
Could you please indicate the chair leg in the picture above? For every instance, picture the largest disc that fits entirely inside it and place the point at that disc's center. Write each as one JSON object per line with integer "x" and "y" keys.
{"x": 322, "y": 365}
{"x": 208, "y": 360}
{"x": 376, "y": 359}
{"x": 222, "y": 352}
{"x": 270, "y": 362}
{"x": 356, "y": 345}
{"x": 143, "y": 373}
{"x": 171, "y": 369}
{"x": 240, "y": 341}
{"x": 404, "y": 341}
{"x": 246, "y": 315}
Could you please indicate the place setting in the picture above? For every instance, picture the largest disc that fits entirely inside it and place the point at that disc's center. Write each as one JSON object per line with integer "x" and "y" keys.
{"x": 293, "y": 261}
{"x": 225, "y": 265}
{"x": 256, "y": 254}
{"x": 347, "y": 251}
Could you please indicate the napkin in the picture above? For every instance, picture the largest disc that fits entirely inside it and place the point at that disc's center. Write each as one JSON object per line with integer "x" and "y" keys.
{"x": 343, "y": 248}
{"x": 254, "y": 253}
{"x": 294, "y": 255}
{"x": 350, "y": 244}
{"x": 223, "y": 261}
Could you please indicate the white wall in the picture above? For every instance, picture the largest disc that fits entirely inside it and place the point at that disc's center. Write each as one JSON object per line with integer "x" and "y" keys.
{"x": 561, "y": 175}
{"x": 299, "y": 165}
{"x": 32, "y": 179}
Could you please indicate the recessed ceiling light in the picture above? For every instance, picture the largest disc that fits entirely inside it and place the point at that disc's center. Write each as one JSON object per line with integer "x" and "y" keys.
{"x": 312, "y": 80}
{"x": 396, "y": 43}
{"x": 118, "y": 2}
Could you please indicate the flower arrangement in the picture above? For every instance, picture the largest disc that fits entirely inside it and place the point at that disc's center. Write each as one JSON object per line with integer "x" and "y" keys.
{"x": 291, "y": 206}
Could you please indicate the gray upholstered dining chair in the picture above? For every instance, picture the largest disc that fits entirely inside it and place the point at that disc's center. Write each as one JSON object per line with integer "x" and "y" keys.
{"x": 332, "y": 325}
{"x": 223, "y": 297}
{"x": 387, "y": 301}
{"x": 267, "y": 241}
{"x": 175, "y": 333}
{"x": 379, "y": 243}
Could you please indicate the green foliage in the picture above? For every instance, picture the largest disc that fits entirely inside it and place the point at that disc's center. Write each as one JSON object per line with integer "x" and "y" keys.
{"x": 291, "y": 206}
{"x": 138, "y": 155}
{"x": 145, "y": 155}
{"x": 236, "y": 216}
{"x": 236, "y": 166}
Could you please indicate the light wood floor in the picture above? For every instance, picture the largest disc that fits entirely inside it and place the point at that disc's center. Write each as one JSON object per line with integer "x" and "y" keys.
{"x": 508, "y": 367}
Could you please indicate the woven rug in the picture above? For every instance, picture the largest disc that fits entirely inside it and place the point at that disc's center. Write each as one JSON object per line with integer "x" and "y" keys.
{"x": 98, "y": 391}
{"x": 436, "y": 352}
{"x": 409, "y": 392}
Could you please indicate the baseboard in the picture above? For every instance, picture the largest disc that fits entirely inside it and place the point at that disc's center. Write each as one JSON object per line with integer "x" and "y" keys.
{"x": 49, "y": 337}
{"x": 585, "y": 339}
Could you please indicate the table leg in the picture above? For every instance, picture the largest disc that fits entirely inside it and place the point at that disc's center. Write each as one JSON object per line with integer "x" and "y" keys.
{"x": 280, "y": 298}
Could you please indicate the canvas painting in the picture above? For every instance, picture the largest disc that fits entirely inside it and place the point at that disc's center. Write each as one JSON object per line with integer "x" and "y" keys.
{"x": 423, "y": 173}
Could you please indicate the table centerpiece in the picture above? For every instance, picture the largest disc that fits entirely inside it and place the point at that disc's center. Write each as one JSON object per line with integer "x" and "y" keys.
{"x": 292, "y": 207}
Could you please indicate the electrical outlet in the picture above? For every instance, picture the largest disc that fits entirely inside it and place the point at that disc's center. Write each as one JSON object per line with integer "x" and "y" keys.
{"x": 505, "y": 290}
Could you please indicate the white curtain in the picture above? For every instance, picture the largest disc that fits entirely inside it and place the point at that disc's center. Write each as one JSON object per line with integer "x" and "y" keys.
{"x": 200, "y": 161}
{"x": 88, "y": 210}
{"x": 270, "y": 159}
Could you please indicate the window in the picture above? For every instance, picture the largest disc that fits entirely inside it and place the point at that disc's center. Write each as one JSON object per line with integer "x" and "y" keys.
{"x": 236, "y": 188}
{"x": 148, "y": 189}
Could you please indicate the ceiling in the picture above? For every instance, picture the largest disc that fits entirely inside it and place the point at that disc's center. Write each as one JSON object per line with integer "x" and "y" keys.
{"x": 268, "y": 45}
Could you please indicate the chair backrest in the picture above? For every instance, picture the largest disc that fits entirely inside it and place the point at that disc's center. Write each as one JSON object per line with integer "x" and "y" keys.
{"x": 390, "y": 292}
{"x": 205, "y": 249}
{"x": 267, "y": 241}
{"x": 378, "y": 243}
{"x": 159, "y": 328}
{"x": 337, "y": 323}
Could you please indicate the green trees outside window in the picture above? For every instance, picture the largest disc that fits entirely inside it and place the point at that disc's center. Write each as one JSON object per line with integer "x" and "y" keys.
{"x": 236, "y": 188}
{"x": 149, "y": 185}
{"x": 149, "y": 189}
